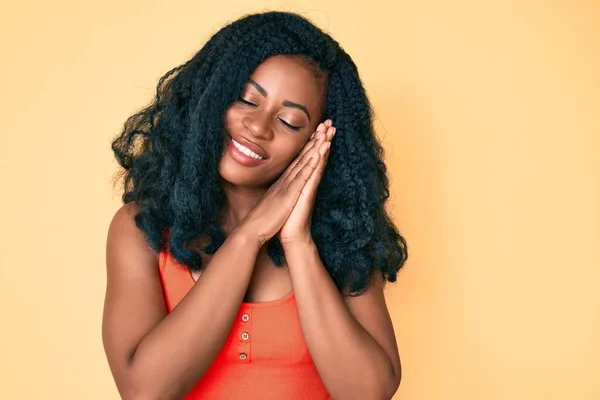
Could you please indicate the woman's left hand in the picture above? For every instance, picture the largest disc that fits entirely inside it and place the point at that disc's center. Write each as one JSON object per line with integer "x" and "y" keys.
{"x": 298, "y": 225}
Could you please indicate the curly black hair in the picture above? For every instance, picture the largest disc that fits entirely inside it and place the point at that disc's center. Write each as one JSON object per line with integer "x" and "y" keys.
{"x": 170, "y": 153}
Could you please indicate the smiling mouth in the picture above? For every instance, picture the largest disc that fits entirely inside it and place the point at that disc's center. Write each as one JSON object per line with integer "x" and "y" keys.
{"x": 243, "y": 155}
{"x": 246, "y": 150}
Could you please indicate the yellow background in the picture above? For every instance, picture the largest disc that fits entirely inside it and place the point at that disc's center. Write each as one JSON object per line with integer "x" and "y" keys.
{"x": 488, "y": 111}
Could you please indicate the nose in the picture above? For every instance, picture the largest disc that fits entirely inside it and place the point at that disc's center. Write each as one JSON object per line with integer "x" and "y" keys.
{"x": 259, "y": 126}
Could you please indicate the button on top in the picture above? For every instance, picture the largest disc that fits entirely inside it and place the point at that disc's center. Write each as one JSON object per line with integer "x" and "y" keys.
{"x": 245, "y": 336}
{"x": 245, "y": 317}
{"x": 243, "y": 356}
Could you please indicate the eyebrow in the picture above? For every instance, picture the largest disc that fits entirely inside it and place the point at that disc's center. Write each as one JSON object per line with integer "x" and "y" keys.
{"x": 286, "y": 103}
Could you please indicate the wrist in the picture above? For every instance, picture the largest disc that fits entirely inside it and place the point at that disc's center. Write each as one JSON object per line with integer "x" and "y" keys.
{"x": 301, "y": 243}
{"x": 246, "y": 238}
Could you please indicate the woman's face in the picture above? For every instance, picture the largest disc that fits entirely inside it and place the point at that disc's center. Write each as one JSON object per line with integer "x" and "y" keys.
{"x": 278, "y": 110}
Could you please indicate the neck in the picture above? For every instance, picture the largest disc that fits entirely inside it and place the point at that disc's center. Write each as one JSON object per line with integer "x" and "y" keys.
{"x": 240, "y": 200}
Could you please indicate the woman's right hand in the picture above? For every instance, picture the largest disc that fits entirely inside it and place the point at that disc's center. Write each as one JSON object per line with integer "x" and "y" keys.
{"x": 268, "y": 216}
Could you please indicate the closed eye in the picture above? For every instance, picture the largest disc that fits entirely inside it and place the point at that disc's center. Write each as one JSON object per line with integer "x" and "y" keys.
{"x": 246, "y": 102}
{"x": 295, "y": 128}
{"x": 292, "y": 127}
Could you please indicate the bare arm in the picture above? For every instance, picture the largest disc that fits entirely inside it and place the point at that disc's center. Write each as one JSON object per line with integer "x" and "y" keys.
{"x": 351, "y": 339}
{"x": 154, "y": 354}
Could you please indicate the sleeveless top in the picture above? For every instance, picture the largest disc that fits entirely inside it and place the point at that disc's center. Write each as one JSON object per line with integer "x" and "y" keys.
{"x": 264, "y": 357}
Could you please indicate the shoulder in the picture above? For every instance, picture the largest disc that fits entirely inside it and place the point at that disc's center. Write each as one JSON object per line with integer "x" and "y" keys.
{"x": 125, "y": 236}
{"x": 126, "y": 213}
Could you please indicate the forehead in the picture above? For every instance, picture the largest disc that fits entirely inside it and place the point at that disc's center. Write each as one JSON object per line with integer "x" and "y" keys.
{"x": 287, "y": 78}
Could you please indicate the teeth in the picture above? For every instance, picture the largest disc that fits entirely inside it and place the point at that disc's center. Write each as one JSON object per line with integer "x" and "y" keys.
{"x": 246, "y": 150}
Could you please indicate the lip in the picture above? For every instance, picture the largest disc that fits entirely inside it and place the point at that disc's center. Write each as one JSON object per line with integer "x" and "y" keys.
{"x": 241, "y": 158}
{"x": 254, "y": 147}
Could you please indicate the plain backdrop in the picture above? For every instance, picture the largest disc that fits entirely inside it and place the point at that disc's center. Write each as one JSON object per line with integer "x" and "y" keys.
{"x": 489, "y": 115}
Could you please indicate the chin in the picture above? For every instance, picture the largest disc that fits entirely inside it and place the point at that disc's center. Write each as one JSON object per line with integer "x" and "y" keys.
{"x": 237, "y": 175}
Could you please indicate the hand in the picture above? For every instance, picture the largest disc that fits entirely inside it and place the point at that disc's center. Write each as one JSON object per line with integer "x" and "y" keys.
{"x": 298, "y": 225}
{"x": 268, "y": 216}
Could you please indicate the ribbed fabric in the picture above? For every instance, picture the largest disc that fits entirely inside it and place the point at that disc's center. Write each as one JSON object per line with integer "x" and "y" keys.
{"x": 264, "y": 357}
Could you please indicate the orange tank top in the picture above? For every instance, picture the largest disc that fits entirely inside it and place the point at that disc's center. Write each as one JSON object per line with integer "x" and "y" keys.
{"x": 265, "y": 355}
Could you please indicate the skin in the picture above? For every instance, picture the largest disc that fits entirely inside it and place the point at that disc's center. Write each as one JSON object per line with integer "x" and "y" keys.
{"x": 262, "y": 123}
{"x": 262, "y": 120}
{"x": 156, "y": 354}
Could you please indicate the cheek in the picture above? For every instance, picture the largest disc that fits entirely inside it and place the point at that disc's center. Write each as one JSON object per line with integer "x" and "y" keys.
{"x": 228, "y": 122}
{"x": 289, "y": 153}
{"x": 227, "y": 119}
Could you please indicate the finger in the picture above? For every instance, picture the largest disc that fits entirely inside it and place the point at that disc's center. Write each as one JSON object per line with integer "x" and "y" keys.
{"x": 296, "y": 184}
{"x": 320, "y": 138}
{"x": 331, "y": 133}
{"x": 318, "y": 129}
{"x": 306, "y": 156}
{"x": 313, "y": 139}
{"x": 309, "y": 145}
{"x": 310, "y": 188}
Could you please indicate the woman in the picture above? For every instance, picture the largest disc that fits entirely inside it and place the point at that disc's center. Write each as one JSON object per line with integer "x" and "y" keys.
{"x": 250, "y": 256}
